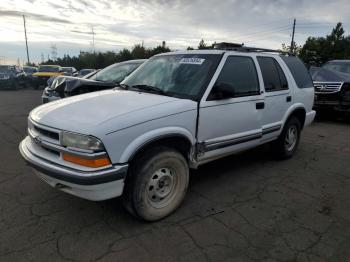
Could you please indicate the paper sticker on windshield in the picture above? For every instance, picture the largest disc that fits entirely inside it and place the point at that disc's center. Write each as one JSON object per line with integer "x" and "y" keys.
{"x": 192, "y": 61}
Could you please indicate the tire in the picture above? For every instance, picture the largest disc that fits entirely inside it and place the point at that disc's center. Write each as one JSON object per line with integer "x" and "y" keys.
{"x": 285, "y": 147}
{"x": 156, "y": 184}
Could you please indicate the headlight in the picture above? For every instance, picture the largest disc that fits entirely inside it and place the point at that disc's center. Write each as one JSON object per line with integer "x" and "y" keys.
{"x": 81, "y": 142}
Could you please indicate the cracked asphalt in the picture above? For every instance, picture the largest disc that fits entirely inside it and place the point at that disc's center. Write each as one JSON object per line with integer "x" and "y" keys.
{"x": 247, "y": 207}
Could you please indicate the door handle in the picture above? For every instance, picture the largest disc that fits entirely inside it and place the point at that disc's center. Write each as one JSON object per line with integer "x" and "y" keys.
{"x": 289, "y": 98}
{"x": 260, "y": 105}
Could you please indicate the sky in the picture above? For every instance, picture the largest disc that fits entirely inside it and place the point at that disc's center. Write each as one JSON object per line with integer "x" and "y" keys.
{"x": 68, "y": 24}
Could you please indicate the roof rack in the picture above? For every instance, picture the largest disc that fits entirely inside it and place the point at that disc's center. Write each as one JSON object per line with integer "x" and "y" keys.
{"x": 242, "y": 48}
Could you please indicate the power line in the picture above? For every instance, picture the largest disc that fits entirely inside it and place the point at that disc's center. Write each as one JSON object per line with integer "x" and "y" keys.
{"x": 251, "y": 38}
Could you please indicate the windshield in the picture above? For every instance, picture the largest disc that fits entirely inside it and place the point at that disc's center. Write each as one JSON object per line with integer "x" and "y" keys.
{"x": 49, "y": 69}
{"x": 341, "y": 67}
{"x": 85, "y": 71}
{"x": 185, "y": 75}
{"x": 67, "y": 69}
{"x": 115, "y": 73}
{"x": 29, "y": 69}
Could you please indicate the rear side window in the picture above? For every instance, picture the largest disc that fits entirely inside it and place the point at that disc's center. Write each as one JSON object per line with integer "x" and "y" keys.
{"x": 299, "y": 71}
{"x": 273, "y": 75}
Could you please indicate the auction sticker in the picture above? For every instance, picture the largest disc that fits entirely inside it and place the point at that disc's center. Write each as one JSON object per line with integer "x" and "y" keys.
{"x": 192, "y": 61}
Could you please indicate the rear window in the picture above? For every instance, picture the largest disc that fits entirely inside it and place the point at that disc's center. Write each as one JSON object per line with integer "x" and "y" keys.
{"x": 299, "y": 71}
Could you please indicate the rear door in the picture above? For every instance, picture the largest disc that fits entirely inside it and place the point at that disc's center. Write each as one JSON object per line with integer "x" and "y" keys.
{"x": 230, "y": 124}
{"x": 278, "y": 96}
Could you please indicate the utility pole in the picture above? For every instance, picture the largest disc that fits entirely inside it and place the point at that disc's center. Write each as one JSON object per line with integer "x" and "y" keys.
{"x": 53, "y": 52}
{"x": 25, "y": 35}
{"x": 292, "y": 43}
{"x": 93, "y": 39}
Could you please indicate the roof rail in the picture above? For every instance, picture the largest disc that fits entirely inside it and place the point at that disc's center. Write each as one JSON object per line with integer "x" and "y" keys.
{"x": 242, "y": 48}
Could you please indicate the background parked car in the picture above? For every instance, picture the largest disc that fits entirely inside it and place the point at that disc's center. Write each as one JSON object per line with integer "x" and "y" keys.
{"x": 11, "y": 77}
{"x": 109, "y": 77}
{"x": 44, "y": 73}
{"x": 29, "y": 70}
{"x": 69, "y": 71}
{"x": 332, "y": 86}
{"x": 84, "y": 72}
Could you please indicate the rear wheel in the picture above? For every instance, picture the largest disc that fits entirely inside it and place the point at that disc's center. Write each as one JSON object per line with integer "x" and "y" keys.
{"x": 287, "y": 143}
{"x": 157, "y": 184}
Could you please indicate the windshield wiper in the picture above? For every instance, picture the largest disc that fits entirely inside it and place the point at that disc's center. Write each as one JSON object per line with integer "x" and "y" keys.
{"x": 123, "y": 86}
{"x": 149, "y": 88}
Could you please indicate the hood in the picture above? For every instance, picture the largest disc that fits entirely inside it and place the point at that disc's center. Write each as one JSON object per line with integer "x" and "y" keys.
{"x": 70, "y": 84}
{"x": 107, "y": 111}
{"x": 47, "y": 74}
{"x": 325, "y": 75}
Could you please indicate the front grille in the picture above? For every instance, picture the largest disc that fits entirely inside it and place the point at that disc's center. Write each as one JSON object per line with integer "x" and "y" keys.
{"x": 57, "y": 153}
{"x": 327, "y": 87}
{"x": 47, "y": 133}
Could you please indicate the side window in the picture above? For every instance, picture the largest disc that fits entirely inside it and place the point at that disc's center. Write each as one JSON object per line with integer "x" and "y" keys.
{"x": 239, "y": 76}
{"x": 299, "y": 71}
{"x": 273, "y": 75}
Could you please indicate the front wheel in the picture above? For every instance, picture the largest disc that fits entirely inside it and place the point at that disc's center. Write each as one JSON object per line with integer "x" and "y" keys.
{"x": 157, "y": 183}
{"x": 287, "y": 143}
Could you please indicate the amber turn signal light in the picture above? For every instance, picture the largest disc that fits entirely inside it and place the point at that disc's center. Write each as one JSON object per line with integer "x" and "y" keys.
{"x": 95, "y": 162}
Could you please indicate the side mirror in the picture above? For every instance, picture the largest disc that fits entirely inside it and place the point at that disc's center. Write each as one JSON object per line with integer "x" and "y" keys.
{"x": 222, "y": 90}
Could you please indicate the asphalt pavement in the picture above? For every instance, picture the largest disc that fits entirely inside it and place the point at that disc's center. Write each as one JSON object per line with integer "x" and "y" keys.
{"x": 247, "y": 207}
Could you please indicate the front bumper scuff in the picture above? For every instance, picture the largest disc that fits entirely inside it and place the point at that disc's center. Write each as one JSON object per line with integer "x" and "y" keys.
{"x": 93, "y": 185}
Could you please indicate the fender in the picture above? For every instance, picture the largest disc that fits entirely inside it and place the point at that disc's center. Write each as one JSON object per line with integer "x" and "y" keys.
{"x": 290, "y": 111}
{"x": 154, "y": 135}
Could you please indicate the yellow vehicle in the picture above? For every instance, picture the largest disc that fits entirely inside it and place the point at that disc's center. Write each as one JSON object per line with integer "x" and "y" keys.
{"x": 44, "y": 73}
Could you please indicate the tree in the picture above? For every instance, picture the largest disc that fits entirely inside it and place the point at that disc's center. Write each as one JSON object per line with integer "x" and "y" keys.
{"x": 318, "y": 50}
{"x": 202, "y": 45}
{"x": 139, "y": 52}
{"x": 296, "y": 48}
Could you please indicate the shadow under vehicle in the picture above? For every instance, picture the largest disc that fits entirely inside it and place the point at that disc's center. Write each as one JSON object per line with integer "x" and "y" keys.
{"x": 107, "y": 78}
{"x": 332, "y": 86}
{"x": 12, "y": 77}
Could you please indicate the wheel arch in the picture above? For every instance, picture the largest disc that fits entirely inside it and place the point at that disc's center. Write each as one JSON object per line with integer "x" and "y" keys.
{"x": 178, "y": 138}
{"x": 298, "y": 111}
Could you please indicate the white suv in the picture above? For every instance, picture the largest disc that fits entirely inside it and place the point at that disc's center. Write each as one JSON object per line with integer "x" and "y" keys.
{"x": 177, "y": 111}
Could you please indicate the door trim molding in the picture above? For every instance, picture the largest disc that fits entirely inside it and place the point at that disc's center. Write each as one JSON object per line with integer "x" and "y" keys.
{"x": 214, "y": 145}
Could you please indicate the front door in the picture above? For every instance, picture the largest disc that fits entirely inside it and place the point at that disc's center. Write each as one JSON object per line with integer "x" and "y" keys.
{"x": 230, "y": 114}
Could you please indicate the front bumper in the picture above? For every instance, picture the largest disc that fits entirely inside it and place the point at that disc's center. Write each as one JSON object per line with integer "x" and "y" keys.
{"x": 49, "y": 96}
{"x": 92, "y": 185}
{"x": 7, "y": 83}
{"x": 334, "y": 101}
{"x": 309, "y": 118}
